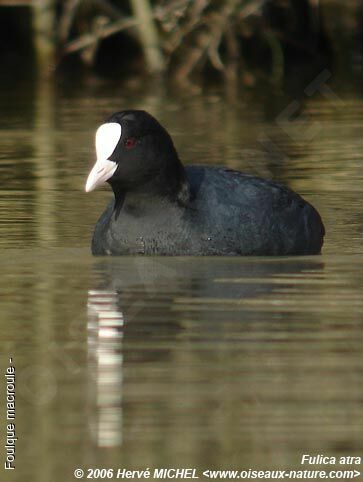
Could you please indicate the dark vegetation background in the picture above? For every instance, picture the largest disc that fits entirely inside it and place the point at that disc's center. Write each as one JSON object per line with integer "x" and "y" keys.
{"x": 236, "y": 41}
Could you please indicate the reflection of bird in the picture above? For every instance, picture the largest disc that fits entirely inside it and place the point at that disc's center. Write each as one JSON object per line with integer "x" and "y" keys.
{"x": 146, "y": 288}
{"x": 163, "y": 208}
{"x": 148, "y": 298}
{"x": 147, "y": 312}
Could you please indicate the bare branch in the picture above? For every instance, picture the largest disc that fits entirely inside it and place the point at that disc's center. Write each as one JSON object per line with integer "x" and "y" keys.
{"x": 66, "y": 19}
{"x": 89, "y": 39}
{"x": 148, "y": 35}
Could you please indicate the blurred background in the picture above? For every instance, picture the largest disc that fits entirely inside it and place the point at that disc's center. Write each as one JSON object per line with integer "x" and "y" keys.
{"x": 247, "y": 41}
{"x": 164, "y": 362}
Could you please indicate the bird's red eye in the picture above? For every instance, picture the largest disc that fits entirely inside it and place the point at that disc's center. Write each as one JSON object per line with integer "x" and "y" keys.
{"x": 130, "y": 143}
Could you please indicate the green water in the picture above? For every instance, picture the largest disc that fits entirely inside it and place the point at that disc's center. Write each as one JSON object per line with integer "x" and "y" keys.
{"x": 209, "y": 363}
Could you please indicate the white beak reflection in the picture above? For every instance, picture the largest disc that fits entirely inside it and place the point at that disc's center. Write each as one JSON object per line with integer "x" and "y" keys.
{"x": 105, "y": 333}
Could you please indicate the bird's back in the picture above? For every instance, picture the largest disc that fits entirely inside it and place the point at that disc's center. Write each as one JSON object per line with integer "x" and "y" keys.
{"x": 248, "y": 215}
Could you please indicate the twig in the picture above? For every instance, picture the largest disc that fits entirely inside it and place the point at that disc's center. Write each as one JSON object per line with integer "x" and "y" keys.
{"x": 148, "y": 35}
{"x": 107, "y": 8}
{"x": 194, "y": 57}
{"x": 195, "y": 21}
{"x": 89, "y": 39}
{"x": 66, "y": 19}
{"x": 251, "y": 8}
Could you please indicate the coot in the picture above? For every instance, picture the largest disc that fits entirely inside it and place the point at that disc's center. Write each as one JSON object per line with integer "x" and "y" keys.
{"x": 161, "y": 207}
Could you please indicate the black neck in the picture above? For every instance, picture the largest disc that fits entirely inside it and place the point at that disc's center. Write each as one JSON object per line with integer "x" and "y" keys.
{"x": 170, "y": 187}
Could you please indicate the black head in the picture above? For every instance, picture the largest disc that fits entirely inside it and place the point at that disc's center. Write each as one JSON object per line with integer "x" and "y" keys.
{"x": 135, "y": 152}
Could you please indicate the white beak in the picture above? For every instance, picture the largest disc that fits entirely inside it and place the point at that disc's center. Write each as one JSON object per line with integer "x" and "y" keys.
{"x": 107, "y": 137}
{"x": 101, "y": 171}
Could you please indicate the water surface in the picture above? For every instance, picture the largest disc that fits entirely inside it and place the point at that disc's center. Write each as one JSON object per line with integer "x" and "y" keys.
{"x": 232, "y": 363}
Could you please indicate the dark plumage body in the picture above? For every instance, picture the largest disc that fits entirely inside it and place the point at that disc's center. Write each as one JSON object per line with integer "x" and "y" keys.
{"x": 229, "y": 213}
{"x": 209, "y": 211}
